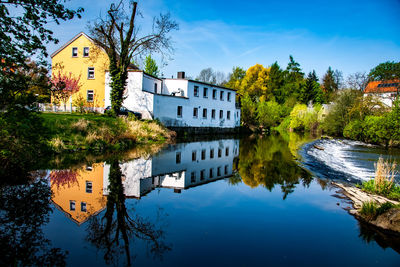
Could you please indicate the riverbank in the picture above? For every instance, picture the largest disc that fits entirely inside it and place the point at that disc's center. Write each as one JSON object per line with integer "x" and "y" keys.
{"x": 388, "y": 219}
{"x": 75, "y": 132}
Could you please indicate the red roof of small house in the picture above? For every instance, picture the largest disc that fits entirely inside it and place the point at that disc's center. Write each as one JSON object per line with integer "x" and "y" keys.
{"x": 382, "y": 86}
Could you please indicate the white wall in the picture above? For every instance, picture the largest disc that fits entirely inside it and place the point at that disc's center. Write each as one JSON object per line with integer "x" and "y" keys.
{"x": 173, "y": 85}
{"x": 136, "y": 99}
{"x": 165, "y": 107}
{"x": 385, "y": 98}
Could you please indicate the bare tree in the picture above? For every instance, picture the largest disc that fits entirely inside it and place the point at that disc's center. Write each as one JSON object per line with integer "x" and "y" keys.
{"x": 357, "y": 81}
{"x": 119, "y": 35}
{"x": 207, "y": 75}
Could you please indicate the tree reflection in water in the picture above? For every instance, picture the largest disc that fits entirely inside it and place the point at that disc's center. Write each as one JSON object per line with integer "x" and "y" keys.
{"x": 24, "y": 209}
{"x": 268, "y": 161}
{"x": 113, "y": 233}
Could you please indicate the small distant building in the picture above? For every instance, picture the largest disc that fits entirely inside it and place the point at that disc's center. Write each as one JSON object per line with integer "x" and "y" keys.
{"x": 386, "y": 91}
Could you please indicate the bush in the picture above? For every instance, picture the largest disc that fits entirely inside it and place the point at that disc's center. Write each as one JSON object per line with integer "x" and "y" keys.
{"x": 269, "y": 114}
{"x": 354, "y": 130}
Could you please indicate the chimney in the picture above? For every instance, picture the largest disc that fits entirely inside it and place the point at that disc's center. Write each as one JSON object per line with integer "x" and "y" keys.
{"x": 181, "y": 75}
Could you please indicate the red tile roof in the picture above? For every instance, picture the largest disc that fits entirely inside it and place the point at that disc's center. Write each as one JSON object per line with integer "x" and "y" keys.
{"x": 382, "y": 86}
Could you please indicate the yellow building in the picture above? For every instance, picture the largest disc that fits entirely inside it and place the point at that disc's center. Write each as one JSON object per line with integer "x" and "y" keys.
{"x": 79, "y": 194}
{"x": 83, "y": 58}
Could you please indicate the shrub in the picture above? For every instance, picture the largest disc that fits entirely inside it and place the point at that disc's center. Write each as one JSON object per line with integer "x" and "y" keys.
{"x": 354, "y": 130}
{"x": 269, "y": 114}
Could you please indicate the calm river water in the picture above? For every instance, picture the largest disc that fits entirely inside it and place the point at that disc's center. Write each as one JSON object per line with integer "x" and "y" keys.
{"x": 228, "y": 202}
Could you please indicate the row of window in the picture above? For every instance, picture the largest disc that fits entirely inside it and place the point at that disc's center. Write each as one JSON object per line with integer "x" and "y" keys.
{"x": 75, "y": 52}
{"x": 214, "y": 93}
{"x": 179, "y": 113}
{"x": 72, "y": 206}
{"x": 193, "y": 175}
{"x": 203, "y": 154}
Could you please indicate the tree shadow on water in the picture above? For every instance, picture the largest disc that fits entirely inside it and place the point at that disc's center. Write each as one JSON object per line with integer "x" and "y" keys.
{"x": 24, "y": 209}
{"x": 115, "y": 232}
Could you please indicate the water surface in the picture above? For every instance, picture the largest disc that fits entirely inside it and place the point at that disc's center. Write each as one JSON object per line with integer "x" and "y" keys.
{"x": 233, "y": 202}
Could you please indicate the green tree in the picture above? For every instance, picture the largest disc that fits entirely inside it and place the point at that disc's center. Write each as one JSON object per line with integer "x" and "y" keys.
{"x": 385, "y": 71}
{"x": 310, "y": 90}
{"x": 150, "y": 66}
{"x": 275, "y": 82}
{"x": 235, "y": 78}
{"x": 293, "y": 78}
{"x": 118, "y": 35}
{"x": 23, "y": 34}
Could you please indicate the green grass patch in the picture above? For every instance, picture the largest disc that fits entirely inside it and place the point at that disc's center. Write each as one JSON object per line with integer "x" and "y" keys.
{"x": 370, "y": 210}
{"x": 93, "y": 132}
{"x": 386, "y": 189}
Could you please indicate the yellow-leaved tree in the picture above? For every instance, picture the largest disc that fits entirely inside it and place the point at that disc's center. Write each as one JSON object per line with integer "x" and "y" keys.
{"x": 254, "y": 82}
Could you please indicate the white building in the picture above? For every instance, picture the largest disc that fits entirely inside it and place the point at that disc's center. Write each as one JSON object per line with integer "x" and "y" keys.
{"x": 180, "y": 166}
{"x": 179, "y": 102}
{"x": 386, "y": 91}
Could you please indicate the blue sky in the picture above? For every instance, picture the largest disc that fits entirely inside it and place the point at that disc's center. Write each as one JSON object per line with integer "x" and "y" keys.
{"x": 351, "y": 35}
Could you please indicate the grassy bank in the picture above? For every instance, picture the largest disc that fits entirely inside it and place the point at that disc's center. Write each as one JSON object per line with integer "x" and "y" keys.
{"x": 73, "y": 132}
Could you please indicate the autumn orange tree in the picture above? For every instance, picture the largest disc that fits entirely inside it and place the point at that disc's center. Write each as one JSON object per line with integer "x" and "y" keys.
{"x": 64, "y": 86}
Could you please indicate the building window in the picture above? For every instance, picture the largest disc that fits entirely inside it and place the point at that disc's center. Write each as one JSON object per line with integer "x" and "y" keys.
{"x": 72, "y": 205}
{"x": 194, "y": 155}
{"x": 202, "y": 175}
{"x": 219, "y": 152}
{"x": 196, "y": 91}
{"x": 204, "y": 113}
{"x": 211, "y": 173}
{"x": 226, "y": 169}
{"x": 229, "y": 96}
{"x": 195, "y": 111}
{"x": 228, "y": 115}
{"x": 227, "y": 151}
{"x": 221, "y": 96}
{"x": 86, "y": 52}
{"x": 213, "y": 114}
{"x": 90, "y": 73}
{"x": 219, "y": 171}
{"x": 221, "y": 114}
{"x": 178, "y": 157}
{"x": 179, "y": 112}
{"x": 203, "y": 154}
{"x": 215, "y": 94}
{"x": 155, "y": 88}
{"x": 193, "y": 177}
{"x": 211, "y": 153}
{"x": 83, "y": 206}
{"x": 74, "y": 51}
{"x": 90, "y": 96}
{"x": 205, "y": 92}
{"x": 89, "y": 187}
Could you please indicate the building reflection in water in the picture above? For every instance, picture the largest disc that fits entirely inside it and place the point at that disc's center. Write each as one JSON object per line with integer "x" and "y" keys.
{"x": 79, "y": 193}
{"x": 179, "y": 166}
{"x": 83, "y": 193}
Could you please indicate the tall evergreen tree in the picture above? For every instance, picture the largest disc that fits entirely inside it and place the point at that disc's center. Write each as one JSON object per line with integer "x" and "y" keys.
{"x": 311, "y": 90}
{"x": 293, "y": 79}
{"x": 276, "y": 82}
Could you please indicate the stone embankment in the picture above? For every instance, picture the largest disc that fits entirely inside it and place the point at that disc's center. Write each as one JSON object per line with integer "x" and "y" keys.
{"x": 390, "y": 220}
